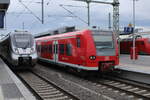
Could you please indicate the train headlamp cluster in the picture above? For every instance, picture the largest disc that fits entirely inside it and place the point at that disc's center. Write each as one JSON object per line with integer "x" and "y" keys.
{"x": 16, "y": 50}
{"x": 32, "y": 50}
{"x": 92, "y": 57}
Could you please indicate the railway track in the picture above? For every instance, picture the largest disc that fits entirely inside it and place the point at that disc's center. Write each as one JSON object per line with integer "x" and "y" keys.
{"x": 130, "y": 89}
{"x": 133, "y": 91}
{"x": 45, "y": 89}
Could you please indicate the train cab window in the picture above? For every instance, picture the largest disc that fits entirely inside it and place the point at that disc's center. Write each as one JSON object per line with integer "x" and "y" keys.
{"x": 61, "y": 49}
{"x": 43, "y": 48}
{"x": 103, "y": 40}
{"x": 68, "y": 49}
{"x": 50, "y": 49}
{"x": 78, "y": 42}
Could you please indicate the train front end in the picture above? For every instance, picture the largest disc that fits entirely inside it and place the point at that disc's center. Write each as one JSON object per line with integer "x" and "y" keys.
{"x": 23, "y": 49}
{"x": 105, "y": 53}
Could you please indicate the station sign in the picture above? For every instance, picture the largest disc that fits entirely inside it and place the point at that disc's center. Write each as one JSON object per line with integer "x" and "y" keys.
{"x": 128, "y": 30}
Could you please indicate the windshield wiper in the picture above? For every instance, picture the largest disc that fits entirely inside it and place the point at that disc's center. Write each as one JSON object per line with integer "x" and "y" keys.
{"x": 105, "y": 48}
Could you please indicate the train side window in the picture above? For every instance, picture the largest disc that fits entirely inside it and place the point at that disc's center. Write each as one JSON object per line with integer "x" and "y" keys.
{"x": 45, "y": 48}
{"x": 78, "y": 42}
{"x": 68, "y": 49}
{"x": 50, "y": 49}
{"x": 39, "y": 48}
{"x": 61, "y": 49}
{"x": 142, "y": 43}
{"x": 42, "y": 48}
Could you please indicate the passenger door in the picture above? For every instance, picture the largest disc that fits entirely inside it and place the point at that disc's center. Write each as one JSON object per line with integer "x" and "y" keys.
{"x": 55, "y": 51}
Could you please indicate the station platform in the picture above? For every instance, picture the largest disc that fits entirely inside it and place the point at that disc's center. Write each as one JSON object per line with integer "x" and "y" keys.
{"x": 11, "y": 88}
{"x": 141, "y": 65}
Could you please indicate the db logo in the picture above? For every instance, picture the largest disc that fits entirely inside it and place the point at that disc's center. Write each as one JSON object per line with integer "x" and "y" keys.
{"x": 106, "y": 58}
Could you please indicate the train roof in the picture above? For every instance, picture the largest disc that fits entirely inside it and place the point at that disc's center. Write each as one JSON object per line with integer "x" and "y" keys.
{"x": 59, "y": 35}
{"x": 12, "y": 33}
{"x": 55, "y": 32}
{"x": 4, "y": 38}
{"x": 65, "y": 30}
{"x": 138, "y": 38}
{"x": 138, "y": 35}
{"x": 19, "y": 32}
{"x": 69, "y": 34}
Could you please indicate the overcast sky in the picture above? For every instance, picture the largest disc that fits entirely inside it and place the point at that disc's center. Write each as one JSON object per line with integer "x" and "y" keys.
{"x": 56, "y": 16}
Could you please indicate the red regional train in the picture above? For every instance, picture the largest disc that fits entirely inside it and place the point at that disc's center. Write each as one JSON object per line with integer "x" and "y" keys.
{"x": 142, "y": 45}
{"x": 90, "y": 50}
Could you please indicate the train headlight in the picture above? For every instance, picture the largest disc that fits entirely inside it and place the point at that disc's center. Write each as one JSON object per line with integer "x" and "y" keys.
{"x": 32, "y": 50}
{"x": 92, "y": 57}
{"x": 16, "y": 50}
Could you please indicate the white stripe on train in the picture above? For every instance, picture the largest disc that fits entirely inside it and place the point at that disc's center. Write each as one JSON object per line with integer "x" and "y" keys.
{"x": 71, "y": 65}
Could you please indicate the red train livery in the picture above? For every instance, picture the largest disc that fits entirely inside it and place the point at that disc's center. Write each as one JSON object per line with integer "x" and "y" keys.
{"x": 142, "y": 45}
{"x": 91, "y": 50}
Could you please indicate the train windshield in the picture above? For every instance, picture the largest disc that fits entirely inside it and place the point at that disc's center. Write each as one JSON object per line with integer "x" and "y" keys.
{"x": 103, "y": 40}
{"x": 104, "y": 43}
{"x": 23, "y": 40}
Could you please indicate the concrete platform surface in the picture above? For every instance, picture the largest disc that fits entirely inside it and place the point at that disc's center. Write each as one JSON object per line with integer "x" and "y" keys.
{"x": 11, "y": 88}
{"x": 141, "y": 65}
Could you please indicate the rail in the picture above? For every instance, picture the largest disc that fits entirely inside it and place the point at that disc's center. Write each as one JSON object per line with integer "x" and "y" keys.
{"x": 45, "y": 89}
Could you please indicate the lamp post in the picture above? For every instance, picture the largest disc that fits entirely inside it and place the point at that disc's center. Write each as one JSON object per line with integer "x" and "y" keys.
{"x": 134, "y": 43}
{"x": 42, "y": 3}
{"x": 88, "y": 7}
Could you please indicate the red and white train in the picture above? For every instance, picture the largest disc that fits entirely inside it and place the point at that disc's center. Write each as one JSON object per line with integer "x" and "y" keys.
{"x": 90, "y": 50}
{"x": 142, "y": 45}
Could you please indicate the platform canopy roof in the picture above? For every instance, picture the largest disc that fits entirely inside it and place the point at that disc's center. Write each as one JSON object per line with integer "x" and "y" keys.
{"x": 4, "y": 4}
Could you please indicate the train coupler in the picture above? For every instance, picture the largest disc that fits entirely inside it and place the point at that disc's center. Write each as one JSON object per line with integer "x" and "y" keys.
{"x": 106, "y": 66}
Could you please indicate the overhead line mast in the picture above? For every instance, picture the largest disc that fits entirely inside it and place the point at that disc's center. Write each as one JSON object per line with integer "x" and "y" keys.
{"x": 115, "y": 5}
{"x": 42, "y": 11}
